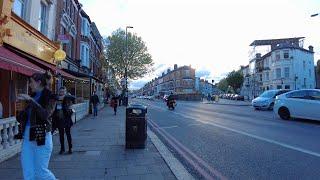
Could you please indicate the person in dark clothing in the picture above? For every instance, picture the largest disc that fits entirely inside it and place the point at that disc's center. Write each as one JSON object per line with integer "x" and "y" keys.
{"x": 35, "y": 128}
{"x": 114, "y": 104}
{"x": 62, "y": 118}
{"x": 95, "y": 101}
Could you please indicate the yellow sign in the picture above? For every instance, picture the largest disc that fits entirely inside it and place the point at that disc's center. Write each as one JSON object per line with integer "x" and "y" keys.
{"x": 59, "y": 55}
{"x": 24, "y": 37}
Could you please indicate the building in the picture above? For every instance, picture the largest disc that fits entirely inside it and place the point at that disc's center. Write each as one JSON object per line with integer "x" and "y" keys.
{"x": 287, "y": 65}
{"x": 179, "y": 81}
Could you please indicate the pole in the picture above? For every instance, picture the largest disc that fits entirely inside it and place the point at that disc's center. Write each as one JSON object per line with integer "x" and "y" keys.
{"x": 126, "y": 69}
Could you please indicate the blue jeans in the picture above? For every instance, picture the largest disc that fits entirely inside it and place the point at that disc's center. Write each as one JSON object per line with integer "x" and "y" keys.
{"x": 95, "y": 110}
{"x": 35, "y": 159}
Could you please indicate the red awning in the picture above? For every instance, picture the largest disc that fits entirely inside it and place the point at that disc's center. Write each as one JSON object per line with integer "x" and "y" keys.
{"x": 13, "y": 62}
{"x": 45, "y": 65}
{"x": 53, "y": 68}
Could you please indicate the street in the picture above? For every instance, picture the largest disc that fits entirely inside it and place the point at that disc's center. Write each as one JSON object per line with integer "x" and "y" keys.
{"x": 237, "y": 142}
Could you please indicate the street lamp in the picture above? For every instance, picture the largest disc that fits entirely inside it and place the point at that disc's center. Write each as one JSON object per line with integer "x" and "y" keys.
{"x": 126, "y": 66}
{"x": 314, "y": 15}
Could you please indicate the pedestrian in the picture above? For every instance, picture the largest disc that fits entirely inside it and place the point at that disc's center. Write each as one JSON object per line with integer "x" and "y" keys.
{"x": 35, "y": 128}
{"x": 1, "y": 111}
{"x": 62, "y": 118}
{"x": 120, "y": 99}
{"x": 95, "y": 101}
{"x": 114, "y": 104}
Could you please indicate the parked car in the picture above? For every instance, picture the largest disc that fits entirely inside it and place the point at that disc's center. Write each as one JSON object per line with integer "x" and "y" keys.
{"x": 266, "y": 99}
{"x": 298, "y": 104}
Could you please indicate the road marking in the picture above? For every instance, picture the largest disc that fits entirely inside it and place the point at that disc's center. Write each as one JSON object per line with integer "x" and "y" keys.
{"x": 168, "y": 127}
{"x": 174, "y": 164}
{"x": 194, "y": 124}
{"x": 252, "y": 135}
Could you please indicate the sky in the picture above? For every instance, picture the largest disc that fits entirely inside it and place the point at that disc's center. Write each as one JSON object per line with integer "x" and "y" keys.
{"x": 210, "y": 35}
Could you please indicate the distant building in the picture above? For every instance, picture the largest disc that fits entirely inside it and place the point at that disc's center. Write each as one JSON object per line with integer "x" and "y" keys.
{"x": 180, "y": 80}
{"x": 287, "y": 65}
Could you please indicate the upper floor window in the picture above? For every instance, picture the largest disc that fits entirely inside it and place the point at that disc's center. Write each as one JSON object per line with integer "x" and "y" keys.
{"x": 309, "y": 72}
{"x": 85, "y": 27}
{"x": 19, "y": 7}
{"x": 286, "y": 72}
{"x": 277, "y": 55}
{"x": 267, "y": 76}
{"x": 43, "y": 19}
{"x": 304, "y": 65}
{"x": 278, "y": 73}
{"x": 286, "y": 54}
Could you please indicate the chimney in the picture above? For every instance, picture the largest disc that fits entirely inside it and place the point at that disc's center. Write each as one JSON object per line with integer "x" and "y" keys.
{"x": 175, "y": 67}
{"x": 258, "y": 55}
{"x": 311, "y": 48}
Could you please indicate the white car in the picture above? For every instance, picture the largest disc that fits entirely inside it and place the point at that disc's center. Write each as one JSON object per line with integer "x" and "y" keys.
{"x": 303, "y": 104}
{"x": 266, "y": 99}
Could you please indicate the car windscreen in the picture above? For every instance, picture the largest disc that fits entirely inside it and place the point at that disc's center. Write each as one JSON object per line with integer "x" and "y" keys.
{"x": 268, "y": 94}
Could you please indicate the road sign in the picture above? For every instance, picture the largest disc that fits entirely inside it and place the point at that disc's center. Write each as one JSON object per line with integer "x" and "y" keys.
{"x": 64, "y": 38}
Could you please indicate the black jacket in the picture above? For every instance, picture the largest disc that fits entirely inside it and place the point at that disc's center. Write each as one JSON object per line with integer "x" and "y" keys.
{"x": 94, "y": 99}
{"x": 40, "y": 119}
{"x": 66, "y": 121}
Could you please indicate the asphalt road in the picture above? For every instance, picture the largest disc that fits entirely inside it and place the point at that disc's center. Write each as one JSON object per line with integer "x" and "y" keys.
{"x": 241, "y": 143}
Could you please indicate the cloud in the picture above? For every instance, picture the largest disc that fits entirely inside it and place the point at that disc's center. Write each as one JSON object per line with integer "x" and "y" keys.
{"x": 137, "y": 84}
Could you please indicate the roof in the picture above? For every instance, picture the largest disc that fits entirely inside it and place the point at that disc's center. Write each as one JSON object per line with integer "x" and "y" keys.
{"x": 302, "y": 49}
{"x": 274, "y": 41}
{"x": 85, "y": 15}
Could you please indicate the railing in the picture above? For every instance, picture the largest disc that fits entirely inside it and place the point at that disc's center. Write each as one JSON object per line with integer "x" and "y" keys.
{"x": 81, "y": 110}
{"x": 8, "y": 146}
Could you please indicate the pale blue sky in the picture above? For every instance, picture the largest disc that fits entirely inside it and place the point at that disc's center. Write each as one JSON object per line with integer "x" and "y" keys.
{"x": 212, "y": 36}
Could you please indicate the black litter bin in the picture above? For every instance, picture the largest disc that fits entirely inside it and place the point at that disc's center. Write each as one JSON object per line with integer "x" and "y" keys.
{"x": 136, "y": 126}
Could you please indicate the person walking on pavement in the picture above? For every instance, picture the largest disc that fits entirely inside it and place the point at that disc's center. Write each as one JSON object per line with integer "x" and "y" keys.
{"x": 35, "y": 128}
{"x": 62, "y": 118}
{"x": 114, "y": 104}
{"x": 95, "y": 101}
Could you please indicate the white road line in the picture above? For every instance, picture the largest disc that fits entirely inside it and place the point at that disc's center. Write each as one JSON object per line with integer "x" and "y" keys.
{"x": 169, "y": 127}
{"x": 254, "y": 136}
{"x": 194, "y": 124}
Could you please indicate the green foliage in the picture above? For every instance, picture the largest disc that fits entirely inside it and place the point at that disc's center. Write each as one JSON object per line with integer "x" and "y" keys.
{"x": 223, "y": 85}
{"x": 235, "y": 79}
{"x": 232, "y": 82}
{"x": 139, "y": 60}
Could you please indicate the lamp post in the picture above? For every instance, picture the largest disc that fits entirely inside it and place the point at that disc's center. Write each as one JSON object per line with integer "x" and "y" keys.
{"x": 126, "y": 66}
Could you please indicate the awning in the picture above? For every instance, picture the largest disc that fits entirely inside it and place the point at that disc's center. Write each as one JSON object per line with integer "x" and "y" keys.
{"x": 83, "y": 75}
{"x": 53, "y": 68}
{"x": 13, "y": 62}
{"x": 44, "y": 64}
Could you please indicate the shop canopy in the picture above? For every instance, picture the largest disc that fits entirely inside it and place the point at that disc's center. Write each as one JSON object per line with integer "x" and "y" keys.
{"x": 12, "y": 62}
{"x": 45, "y": 65}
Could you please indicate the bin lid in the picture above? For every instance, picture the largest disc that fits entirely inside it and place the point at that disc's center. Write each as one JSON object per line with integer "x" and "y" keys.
{"x": 137, "y": 106}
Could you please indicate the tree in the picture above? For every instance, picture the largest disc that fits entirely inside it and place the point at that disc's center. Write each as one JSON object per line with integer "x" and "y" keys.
{"x": 223, "y": 85}
{"x": 235, "y": 79}
{"x": 139, "y": 60}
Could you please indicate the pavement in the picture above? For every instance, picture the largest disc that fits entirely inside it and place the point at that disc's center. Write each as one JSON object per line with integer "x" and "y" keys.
{"x": 238, "y": 142}
{"x": 99, "y": 153}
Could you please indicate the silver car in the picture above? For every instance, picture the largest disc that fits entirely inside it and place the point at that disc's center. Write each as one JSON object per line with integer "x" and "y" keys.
{"x": 266, "y": 99}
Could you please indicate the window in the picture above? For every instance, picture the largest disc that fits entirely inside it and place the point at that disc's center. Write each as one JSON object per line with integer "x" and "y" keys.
{"x": 267, "y": 76}
{"x": 287, "y": 87}
{"x": 19, "y": 8}
{"x": 286, "y": 54}
{"x": 314, "y": 95}
{"x": 279, "y": 86}
{"x": 278, "y": 73}
{"x": 297, "y": 94}
{"x": 277, "y": 55}
{"x": 43, "y": 26}
{"x": 309, "y": 72}
{"x": 187, "y": 73}
{"x": 260, "y": 77}
{"x": 286, "y": 72}
{"x": 304, "y": 82}
{"x": 304, "y": 65}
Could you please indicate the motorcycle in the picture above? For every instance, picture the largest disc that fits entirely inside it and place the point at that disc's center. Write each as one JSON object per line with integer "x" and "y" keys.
{"x": 171, "y": 104}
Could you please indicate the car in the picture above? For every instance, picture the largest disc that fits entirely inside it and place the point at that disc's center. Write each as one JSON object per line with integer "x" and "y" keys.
{"x": 266, "y": 99}
{"x": 303, "y": 104}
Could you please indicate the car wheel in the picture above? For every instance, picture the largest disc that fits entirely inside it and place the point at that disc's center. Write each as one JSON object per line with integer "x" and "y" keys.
{"x": 284, "y": 113}
{"x": 257, "y": 109}
{"x": 271, "y": 106}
